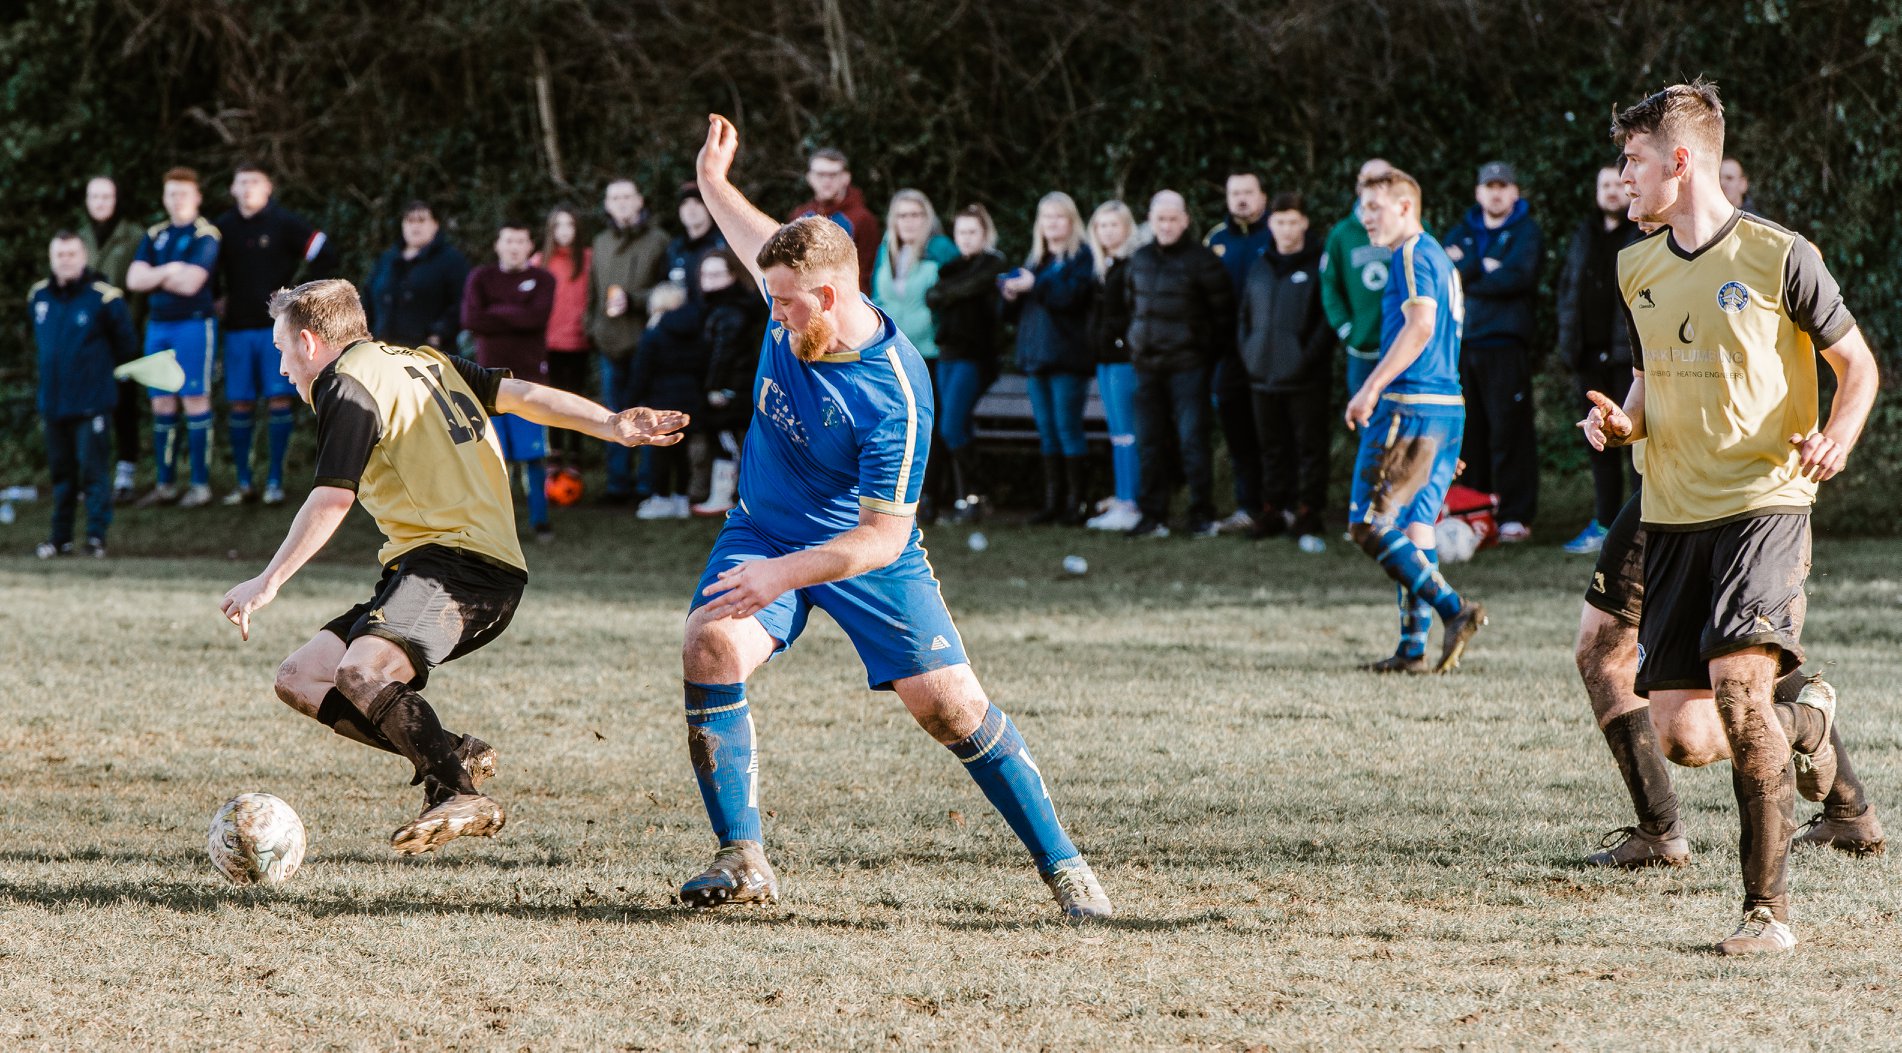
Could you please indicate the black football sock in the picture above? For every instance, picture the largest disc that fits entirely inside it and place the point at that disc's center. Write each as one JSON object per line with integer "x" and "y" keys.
{"x": 404, "y": 717}
{"x": 1768, "y": 815}
{"x": 342, "y": 716}
{"x": 1634, "y": 745}
{"x": 1801, "y": 724}
{"x": 1846, "y": 799}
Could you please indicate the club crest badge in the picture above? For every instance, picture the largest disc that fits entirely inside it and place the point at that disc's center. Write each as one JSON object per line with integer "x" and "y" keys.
{"x": 1733, "y": 297}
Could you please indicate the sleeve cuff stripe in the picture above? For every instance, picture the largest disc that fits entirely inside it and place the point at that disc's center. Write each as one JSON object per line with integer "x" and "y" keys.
{"x": 1411, "y": 300}
{"x": 890, "y": 508}
{"x": 341, "y": 484}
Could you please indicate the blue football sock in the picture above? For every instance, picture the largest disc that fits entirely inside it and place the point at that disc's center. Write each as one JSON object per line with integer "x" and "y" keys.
{"x": 535, "y": 472}
{"x": 164, "y": 448}
{"x": 1414, "y": 570}
{"x": 720, "y": 744}
{"x": 283, "y": 421}
{"x": 997, "y": 759}
{"x": 198, "y": 446}
{"x": 1416, "y": 618}
{"x": 240, "y": 432}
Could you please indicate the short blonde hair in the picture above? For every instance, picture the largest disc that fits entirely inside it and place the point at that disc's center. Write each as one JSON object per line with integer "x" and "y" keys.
{"x": 329, "y": 307}
{"x": 813, "y": 246}
{"x": 1395, "y": 183}
{"x": 1042, "y": 252}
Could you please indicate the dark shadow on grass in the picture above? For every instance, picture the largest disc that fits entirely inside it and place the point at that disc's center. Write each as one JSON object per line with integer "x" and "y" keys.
{"x": 1206, "y": 919}
{"x": 458, "y": 861}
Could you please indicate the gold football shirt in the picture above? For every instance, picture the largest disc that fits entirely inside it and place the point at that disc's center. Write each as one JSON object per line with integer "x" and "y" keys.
{"x": 408, "y": 430}
{"x": 1726, "y": 338}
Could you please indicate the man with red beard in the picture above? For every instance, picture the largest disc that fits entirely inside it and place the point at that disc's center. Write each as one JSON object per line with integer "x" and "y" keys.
{"x": 828, "y": 498}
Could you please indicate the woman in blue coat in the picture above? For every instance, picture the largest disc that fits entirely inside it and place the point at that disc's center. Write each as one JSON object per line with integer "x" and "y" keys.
{"x": 1049, "y": 296}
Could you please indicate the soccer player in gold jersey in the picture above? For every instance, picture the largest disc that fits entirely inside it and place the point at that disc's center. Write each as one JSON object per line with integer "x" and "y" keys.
{"x": 1726, "y": 311}
{"x": 408, "y": 432}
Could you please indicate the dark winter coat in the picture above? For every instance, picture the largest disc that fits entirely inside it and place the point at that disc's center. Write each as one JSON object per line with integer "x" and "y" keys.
{"x": 1281, "y": 327}
{"x": 1499, "y": 301}
{"x": 1589, "y": 275}
{"x": 1109, "y": 316}
{"x": 412, "y": 302}
{"x": 965, "y": 303}
{"x": 734, "y": 326}
{"x": 1181, "y": 307}
{"x": 1053, "y": 317}
{"x": 670, "y": 365}
{"x": 82, "y": 330}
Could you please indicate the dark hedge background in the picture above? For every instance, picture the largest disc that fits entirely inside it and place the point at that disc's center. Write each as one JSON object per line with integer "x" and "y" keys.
{"x": 508, "y": 106}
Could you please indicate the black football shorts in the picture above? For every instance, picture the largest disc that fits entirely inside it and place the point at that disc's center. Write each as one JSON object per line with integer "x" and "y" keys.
{"x": 1717, "y": 590}
{"x": 1617, "y": 586}
{"x": 437, "y": 604}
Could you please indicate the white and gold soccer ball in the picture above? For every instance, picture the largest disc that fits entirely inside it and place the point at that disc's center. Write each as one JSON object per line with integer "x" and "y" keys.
{"x": 256, "y": 839}
{"x": 1456, "y": 538}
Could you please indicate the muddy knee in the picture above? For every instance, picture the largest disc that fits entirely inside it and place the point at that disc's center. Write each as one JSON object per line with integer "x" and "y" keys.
{"x": 1364, "y": 535}
{"x": 291, "y": 686}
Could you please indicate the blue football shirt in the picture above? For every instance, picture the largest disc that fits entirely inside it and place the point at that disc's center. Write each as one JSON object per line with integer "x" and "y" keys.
{"x": 195, "y": 243}
{"x": 833, "y": 436}
{"x": 1421, "y": 272}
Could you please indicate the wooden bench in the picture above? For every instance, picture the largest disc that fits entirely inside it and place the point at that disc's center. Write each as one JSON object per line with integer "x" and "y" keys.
{"x": 1003, "y": 417}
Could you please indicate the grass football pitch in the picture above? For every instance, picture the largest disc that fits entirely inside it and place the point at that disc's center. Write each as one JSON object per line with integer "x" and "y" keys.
{"x": 1301, "y": 855}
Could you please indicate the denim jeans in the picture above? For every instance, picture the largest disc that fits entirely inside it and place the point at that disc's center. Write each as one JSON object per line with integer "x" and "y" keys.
{"x": 960, "y": 385}
{"x": 621, "y": 471}
{"x": 1174, "y": 402}
{"x": 79, "y": 456}
{"x": 1056, "y": 401}
{"x": 1116, "y": 384}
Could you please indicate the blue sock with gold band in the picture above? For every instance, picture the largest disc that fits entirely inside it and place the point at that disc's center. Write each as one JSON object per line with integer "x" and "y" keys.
{"x": 1001, "y": 765}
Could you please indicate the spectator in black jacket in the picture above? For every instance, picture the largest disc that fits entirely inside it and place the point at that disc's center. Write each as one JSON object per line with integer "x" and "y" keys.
{"x": 698, "y": 238}
{"x": 1049, "y": 297}
{"x": 414, "y": 296}
{"x": 734, "y": 323}
{"x": 964, "y": 304}
{"x": 1593, "y": 340}
{"x": 669, "y": 371}
{"x": 1287, "y": 347}
{"x": 1181, "y": 320}
{"x": 263, "y": 247}
{"x": 1498, "y": 248}
{"x": 1112, "y": 242}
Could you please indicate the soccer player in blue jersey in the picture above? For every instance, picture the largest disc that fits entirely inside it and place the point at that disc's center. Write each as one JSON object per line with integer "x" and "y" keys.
{"x": 828, "y": 491}
{"x": 174, "y": 266}
{"x": 1410, "y": 416}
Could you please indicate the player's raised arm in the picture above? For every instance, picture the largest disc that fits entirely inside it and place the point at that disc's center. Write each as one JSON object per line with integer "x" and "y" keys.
{"x": 316, "y": 522}
{"x": 638, "y": 426}
{"x": 746, "y": 228}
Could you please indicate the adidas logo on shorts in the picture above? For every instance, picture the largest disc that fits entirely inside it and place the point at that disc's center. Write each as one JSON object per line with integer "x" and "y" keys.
{"x": 939, "y": 643}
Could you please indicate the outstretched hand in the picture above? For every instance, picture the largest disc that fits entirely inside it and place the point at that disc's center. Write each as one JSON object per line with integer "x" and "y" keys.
{"x": 722, "y": 145}
{"x": 1607, "y": 424}
{"x": 640, "y": 426}
{"x": 244, "y": 599}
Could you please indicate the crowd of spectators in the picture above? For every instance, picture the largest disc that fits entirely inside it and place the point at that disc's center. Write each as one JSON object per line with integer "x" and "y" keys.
{"x": 1179, "y": 337}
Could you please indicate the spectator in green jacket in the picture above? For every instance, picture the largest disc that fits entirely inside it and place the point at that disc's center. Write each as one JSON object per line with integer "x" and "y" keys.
{"x": 630, "y": 258}
{"x": 913, "y": 249}
{"x": 1353, "y": 275}
{"x": 111, "y": 241}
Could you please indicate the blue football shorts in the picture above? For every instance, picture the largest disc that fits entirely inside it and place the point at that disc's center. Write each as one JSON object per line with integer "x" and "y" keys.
{"x": 191, "y": 341}
{"x": 894, "y": 616}
{"x": 1409, "y": 454}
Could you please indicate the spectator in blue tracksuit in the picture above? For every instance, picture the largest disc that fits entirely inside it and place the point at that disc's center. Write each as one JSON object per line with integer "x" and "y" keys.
{"x": 1049, "y": 296}
{"x": 1498, "y": 249}
{"x": 1240, "y": 240}
{"x": 82, "y": 329}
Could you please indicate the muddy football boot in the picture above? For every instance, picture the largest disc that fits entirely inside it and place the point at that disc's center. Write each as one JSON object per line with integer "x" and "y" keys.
{"x": 739, "y": 873}
{"x": 478, "y": 758}
{"x": 1399, "y": 663}
{"x": 1861, "y": 836}
{"x": 1760, "y": 933}
{"x": 1632, "y": 849}
{"x": 1078, "y": 892}
{"x": 1816, "y": 770}
{"x": 1459, "y": 630}
{"x": 447, "y": 816}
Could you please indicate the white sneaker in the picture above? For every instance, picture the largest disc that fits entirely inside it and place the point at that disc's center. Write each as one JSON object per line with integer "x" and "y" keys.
{"x": 124, "y": 477}
{"x": 1119, "y": 516}
{"x": 1238, "y": 522}
{"x": 1760, "y": 933}
{"x": 681, "y": 508}
{"x": 196, "y": 497}
{"x": 655, "y": 507}
{"x": 1514, "y": 532}
{"x": 273, "y": 494}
